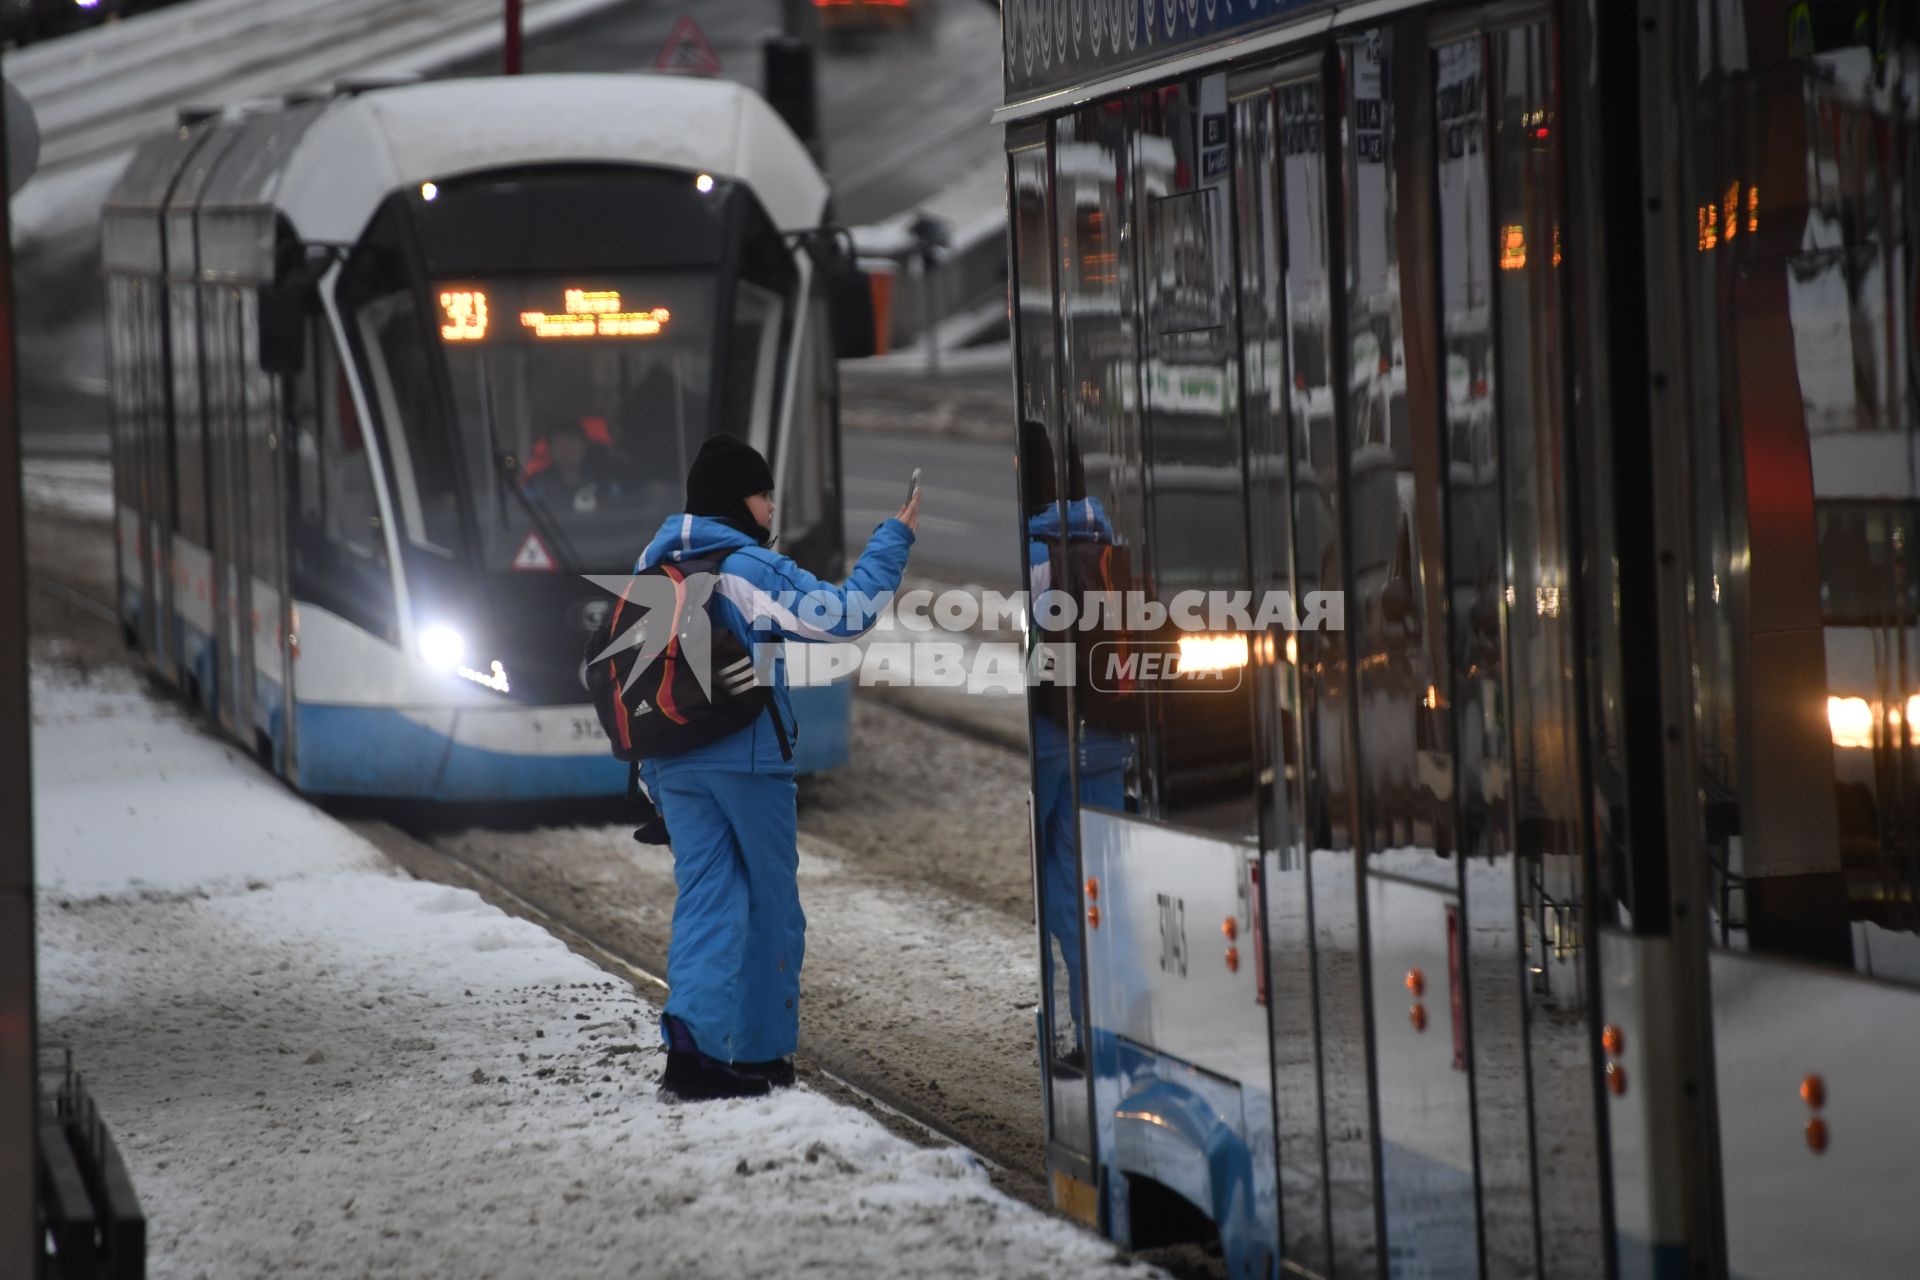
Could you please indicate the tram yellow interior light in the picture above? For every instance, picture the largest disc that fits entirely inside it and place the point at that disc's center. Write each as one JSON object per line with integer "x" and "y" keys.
{"x": 1513, "y": 247}
{"x": 463, "y": 315}
{"x": 1753, "y": 210}
{"x": 1212, "y": 653}
{"x": 1851, "y": 722}
{"x": 1433, "y": 698}
{"x": 1293, "y": 650}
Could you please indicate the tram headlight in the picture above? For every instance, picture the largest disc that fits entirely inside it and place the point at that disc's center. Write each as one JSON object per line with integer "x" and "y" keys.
{"x": 1851, "y": 722}
{"x": 1205, "y": 653}
{"x": 442, "y": 648}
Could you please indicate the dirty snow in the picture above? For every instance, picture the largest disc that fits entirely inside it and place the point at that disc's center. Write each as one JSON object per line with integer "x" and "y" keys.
{"x": 314, "y": 1064}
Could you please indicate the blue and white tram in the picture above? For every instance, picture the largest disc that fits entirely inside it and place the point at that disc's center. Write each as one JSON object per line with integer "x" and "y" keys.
{"x": 1552, "y": 913}
{"x": 395, "y": 368}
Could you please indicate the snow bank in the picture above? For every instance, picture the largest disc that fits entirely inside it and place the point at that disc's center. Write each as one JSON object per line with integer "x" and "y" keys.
{"x": 312, "y": 1063}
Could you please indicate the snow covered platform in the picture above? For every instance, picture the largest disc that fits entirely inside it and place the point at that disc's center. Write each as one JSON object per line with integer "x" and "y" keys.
{"x": 315, "y": 1064}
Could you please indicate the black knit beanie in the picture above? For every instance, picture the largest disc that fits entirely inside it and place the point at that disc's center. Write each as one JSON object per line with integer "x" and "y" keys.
{"x": 724, "y": 473}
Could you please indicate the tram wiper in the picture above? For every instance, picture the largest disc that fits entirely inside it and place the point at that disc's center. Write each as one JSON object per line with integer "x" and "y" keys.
{"x": 543, "y": 520}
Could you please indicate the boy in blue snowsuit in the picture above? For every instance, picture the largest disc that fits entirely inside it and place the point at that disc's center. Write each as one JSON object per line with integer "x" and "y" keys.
{"x": 1104, "y": 754}
{"x": 739, "y": 935}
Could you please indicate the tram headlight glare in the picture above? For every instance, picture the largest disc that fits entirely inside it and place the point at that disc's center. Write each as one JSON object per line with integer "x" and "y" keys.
{"x": 1850, "y": 721}
{"x": 429, "y": 190}
{"x": 442, "y": 648}
{"x": 704, "y": 184}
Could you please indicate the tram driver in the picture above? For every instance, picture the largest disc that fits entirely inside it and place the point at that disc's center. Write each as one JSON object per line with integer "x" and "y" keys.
{"x": 580, "y": 474}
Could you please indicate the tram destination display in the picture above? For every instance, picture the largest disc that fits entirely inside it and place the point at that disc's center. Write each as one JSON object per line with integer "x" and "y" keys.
{"x": 1054, "y": 44}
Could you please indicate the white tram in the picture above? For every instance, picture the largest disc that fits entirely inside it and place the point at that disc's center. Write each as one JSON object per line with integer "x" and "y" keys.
{"x": 1555, "y": 915}
{"x": 395, "y": 367}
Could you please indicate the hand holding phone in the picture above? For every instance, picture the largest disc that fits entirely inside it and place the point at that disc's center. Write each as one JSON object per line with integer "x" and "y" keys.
{"x": 909, "y": 514}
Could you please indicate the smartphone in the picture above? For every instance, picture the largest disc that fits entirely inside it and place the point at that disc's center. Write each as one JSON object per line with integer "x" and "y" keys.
{"x": 913, "y": 485}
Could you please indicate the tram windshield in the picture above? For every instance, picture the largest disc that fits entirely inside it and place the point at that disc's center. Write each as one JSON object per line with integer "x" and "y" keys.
{"x": 578, "y": 404}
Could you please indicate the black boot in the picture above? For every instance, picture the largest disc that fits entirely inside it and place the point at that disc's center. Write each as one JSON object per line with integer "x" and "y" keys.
{"x": 777, "y": 1072}
{"x": 693, "y": 1077}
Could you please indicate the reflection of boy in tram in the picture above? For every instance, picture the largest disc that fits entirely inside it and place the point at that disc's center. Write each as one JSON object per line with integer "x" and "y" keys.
{"x": 579, "y": 474}
{"x": 1080, "y": 537}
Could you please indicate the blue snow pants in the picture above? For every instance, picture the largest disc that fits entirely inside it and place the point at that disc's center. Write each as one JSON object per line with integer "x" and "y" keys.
{"x": 1104, "y": 787}
{"x": 739, "y": 935}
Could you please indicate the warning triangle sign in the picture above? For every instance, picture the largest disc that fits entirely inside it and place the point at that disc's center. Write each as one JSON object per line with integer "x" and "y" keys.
{"x": 687, "y": 50}
{"x": 533, "y": 557}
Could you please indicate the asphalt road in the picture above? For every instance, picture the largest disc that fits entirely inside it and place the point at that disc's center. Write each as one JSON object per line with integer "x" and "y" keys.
{"x": 967, "y": 515}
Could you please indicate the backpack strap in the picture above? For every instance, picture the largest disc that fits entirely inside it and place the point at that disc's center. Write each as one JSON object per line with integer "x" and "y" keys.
{"x": 779, "y": 729}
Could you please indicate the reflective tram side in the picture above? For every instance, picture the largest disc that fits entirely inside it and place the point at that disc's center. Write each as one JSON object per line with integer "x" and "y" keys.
{"x": 396, "y": 369}
{"x": 1530, "y": 891}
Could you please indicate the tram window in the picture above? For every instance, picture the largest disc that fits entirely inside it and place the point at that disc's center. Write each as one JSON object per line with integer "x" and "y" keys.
{"x": 753, "y": 360}
{"x": 1394, "y": 478}
{"x": 1868, "y": 575}
{"x": 189, "y": 434}
{"x": 579, "y": 404}
{"x": 809, "y": 503}
{"x": 337, "y": 552}
{"x": 388, "y": 331}
{"x": 352, "y": 512}
{"x": 1806, "y": 613}
{"x": 1198, "y": 761}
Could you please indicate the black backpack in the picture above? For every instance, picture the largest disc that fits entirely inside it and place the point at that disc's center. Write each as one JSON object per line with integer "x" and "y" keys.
{"x": 1108, "y": 692}
{"x": 659, "y": 709}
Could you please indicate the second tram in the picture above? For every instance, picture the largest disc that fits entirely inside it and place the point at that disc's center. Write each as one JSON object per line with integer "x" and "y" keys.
{"x": 1553, "y": 915}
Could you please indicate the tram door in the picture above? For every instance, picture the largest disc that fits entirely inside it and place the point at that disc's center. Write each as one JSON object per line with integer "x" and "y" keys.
{"x": 230, "y": 534}
{"x": 1426, "y": 878}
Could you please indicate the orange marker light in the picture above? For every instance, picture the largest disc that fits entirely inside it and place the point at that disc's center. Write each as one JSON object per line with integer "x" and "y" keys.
{"x": 1233, "y": 959}
{"x": 1816, "y": 1135}
{"x": 1613, "y": 1040}
{"x": 1418, "y": 1017}
{"x": 1230, "y": 928}
{"x": 1813, "y": 1092}
{"x": 1416, "y": 983}
{"x": 1093, "y": 887}
{"x": 1093, "y": 917}
{"x": 1616, "y": 1079}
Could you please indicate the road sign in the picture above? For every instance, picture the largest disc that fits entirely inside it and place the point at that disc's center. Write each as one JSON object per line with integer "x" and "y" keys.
{"x": 533, "y": 557}
{"x": 687, "y": 50}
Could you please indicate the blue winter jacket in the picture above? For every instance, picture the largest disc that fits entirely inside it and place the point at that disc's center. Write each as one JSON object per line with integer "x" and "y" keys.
{"x": 764, "y": 597}
{"x": 1101, "y": 750}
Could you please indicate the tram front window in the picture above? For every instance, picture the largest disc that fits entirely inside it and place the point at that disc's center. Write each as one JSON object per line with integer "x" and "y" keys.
{"x": 579, "y": 403}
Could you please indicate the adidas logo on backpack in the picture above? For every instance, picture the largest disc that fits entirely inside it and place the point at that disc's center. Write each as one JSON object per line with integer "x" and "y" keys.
{"x": 629, "y": 679}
